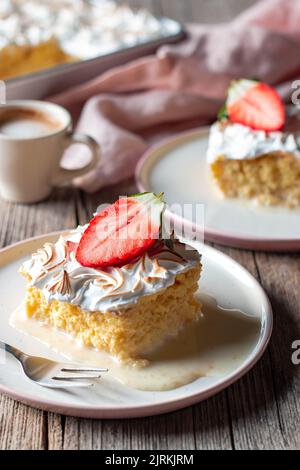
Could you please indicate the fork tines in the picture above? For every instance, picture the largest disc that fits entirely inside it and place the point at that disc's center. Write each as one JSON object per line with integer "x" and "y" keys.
{"x": 93, "y": 373}
{"x": 79, "y": 377}
{"x": 81, "y": 369}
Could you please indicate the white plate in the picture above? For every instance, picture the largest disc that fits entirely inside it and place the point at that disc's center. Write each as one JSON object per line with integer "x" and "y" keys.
{"x": 230, "y": 284}
{"x": 179, "y": 168}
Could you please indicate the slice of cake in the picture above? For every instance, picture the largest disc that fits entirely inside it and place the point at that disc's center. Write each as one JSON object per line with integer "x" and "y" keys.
{"x": 115, "y": 285}
{"x": 249, "y": 154}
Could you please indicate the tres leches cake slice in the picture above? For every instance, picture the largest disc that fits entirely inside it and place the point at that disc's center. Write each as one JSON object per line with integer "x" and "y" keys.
{"x": 115, "y": 285}
{"x": 249, "y": 154}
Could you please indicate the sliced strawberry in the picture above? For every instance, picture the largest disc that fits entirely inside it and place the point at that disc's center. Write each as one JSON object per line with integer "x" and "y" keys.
{"x": 256, "y": 105}
{"x": 122, "y": 231}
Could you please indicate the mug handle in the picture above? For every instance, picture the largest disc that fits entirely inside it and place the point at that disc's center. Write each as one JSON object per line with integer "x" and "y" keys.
{"x": 64, "y": 177}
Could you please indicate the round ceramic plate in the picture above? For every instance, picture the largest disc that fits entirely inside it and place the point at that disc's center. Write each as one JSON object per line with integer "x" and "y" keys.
{"x": 179, "y": 168}
{"x": 231, "y": 286}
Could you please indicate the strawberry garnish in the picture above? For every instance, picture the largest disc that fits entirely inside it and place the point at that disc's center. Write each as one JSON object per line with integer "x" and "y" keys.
{"x": 255, "y": 104}
{"x": 122, "y": 232}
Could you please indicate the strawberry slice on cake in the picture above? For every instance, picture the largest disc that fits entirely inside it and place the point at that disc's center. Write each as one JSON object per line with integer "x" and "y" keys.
{"x": 256, "y": 105}
{"x": 249, "y": 154}
{"x": 121, "y": 232}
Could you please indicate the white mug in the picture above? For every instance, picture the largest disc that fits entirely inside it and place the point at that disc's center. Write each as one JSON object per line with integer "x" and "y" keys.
{"x": 30, "y": 165}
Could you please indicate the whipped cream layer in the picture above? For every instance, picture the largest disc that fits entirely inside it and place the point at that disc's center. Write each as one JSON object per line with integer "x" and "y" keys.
{"x": 58, "y": 274}
{"x": 238, "y": 142}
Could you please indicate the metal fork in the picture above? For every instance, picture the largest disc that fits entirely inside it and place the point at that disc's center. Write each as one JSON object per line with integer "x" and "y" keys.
{"x": 53, "y": 374}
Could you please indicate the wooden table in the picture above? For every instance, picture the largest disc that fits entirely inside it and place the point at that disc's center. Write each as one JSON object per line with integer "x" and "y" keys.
{"x": 262, "y": 410}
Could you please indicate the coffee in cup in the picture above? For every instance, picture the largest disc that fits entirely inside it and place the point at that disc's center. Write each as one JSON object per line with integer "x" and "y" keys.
{"x": 26, "y": 122}
{"x": 33, "y": 137}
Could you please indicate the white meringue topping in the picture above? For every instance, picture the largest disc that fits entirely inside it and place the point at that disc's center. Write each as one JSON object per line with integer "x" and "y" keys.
{"x": 238, "y": 142}
{"x": 55, "y": 270}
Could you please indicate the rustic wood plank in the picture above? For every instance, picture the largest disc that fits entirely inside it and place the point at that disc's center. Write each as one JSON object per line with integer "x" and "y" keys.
{"x": 253, "y": 408}
{"x": 78, "y": 434}
{"x": 212, "y": 426}
{"x": 23, "y": 427}
{"x": 171, "y": 431}
{"x": 55, "y": 431}
{"x": 253, "y": 399}
{"x": 23, "y": 221}
{"x": 280, "y": 277}
{"x": 203, "y": 427}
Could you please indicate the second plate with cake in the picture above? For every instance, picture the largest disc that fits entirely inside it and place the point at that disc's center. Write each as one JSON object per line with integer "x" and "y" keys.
{"x": 244, "y": 170}
{"x": 179, "y": 165}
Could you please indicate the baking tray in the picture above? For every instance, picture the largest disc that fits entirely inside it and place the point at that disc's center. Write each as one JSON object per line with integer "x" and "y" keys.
{"x": 53, "y": 80}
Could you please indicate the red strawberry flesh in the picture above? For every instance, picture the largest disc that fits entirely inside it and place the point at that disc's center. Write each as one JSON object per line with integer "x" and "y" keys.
{"x": 256, "y": 105}
{"x": 120, "y": 233}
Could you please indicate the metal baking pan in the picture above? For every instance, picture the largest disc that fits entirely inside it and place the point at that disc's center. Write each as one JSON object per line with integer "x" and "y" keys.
{"x": 57, "y": 78}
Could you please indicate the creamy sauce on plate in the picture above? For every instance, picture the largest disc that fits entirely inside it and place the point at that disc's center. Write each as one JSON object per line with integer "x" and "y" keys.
{"x": 215, "y": 346}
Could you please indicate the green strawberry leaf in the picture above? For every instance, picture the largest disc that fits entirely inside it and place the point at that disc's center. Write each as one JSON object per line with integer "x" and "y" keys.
{"x": 223, "y": 114}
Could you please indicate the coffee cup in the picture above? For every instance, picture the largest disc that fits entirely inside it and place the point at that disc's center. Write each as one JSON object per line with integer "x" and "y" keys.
{"x": 33, "y": 137}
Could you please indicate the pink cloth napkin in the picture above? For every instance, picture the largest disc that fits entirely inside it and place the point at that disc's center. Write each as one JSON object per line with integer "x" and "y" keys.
{"x": 129, "y": 107}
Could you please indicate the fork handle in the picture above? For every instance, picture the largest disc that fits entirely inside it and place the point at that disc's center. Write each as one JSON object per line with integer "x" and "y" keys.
{"x": 12, "y": 350}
